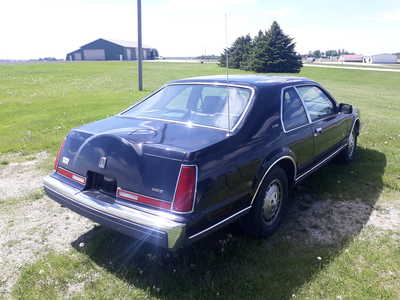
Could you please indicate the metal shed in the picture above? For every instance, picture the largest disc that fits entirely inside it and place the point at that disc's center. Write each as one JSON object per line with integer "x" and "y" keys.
{"x": 384, "y": 58}
{"x": 109, "y": 49}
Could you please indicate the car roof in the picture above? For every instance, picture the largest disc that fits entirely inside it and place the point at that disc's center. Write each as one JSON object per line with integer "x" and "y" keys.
{"x": 248, "y": 80}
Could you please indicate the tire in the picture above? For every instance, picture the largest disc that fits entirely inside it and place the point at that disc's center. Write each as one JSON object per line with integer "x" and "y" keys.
{"x": 348, "y": 153}
{"x": 270, "y": 205}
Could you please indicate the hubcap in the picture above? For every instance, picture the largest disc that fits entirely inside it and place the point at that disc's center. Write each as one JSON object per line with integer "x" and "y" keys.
{"x": 350, "y": 149}
{"x": 272, "y": 201}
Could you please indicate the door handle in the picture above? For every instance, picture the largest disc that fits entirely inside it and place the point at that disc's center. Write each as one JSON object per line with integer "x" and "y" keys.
{"x": 317, "y": 131}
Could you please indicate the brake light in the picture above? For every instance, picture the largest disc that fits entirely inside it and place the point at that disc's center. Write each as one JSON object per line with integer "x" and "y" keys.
{"x": 59, "y": 153}
{"x": 185, "y": 190}
{"x": 71, "y": 175}
{"x": 135, "y": 197}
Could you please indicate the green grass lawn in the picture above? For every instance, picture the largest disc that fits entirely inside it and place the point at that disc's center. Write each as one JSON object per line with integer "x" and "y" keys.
{"x": 379, "y": 66}
{"x": 40, "y": 103}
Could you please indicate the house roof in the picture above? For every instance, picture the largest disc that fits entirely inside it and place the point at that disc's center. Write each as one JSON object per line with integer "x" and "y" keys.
{"x": 127, "y": 44}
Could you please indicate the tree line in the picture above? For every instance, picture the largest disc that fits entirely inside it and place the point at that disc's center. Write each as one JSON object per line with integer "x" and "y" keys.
{"x": 270, "y": 51}
{"x": 328, "y": 53}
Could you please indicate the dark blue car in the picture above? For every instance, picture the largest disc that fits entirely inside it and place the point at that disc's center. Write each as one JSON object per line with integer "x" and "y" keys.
{"x": 200, "y": 153}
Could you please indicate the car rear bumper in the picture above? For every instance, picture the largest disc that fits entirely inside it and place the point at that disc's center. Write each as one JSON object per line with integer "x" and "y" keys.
{"x": 143, "y": 225}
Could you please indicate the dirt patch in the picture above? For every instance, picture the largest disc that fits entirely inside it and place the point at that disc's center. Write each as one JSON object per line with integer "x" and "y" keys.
{"x": 329, "y": 222}
{"x": 386, "y": 217}
{"x": 34, "y": 229}
{"x": 19, "y": 177}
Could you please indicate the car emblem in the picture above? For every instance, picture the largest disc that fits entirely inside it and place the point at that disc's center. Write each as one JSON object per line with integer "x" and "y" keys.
{"x": 102, "y": 162}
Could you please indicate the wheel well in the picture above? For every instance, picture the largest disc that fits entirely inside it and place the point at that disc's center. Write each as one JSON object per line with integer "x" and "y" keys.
{"x": 288, "y": 166}
{"x": 357, "y": 127}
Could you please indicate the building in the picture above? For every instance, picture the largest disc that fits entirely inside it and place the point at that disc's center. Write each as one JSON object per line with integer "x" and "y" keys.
{"x": 381, "y": 59}
{"x": 351, "y": 58}
{"x": 106, "y": 49}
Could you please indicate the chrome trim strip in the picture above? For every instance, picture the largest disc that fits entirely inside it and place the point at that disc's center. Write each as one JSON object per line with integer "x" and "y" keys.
{"x": 219, "y": 223}
{"x": 324, "y": 91}
{"x": 195, "y": 189}
{"x": 321, "y": 162}
{"x": 143, "y": 219}
{"x": 310, "y": 121}
{"x": 251, "y": 99}
{"x": 270, "y": 167}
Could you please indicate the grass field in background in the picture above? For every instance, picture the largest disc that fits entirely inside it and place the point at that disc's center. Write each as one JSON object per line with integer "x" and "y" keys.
{"x": 40, "y": 103}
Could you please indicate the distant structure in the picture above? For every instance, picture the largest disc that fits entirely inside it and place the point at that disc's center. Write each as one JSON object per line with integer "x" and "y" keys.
{"x": 384, "y": 58}
{"x": 351, "y": 58}
{"x": 106, "y": 49}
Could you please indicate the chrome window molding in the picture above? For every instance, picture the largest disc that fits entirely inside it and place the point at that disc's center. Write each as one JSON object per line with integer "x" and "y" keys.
{"x": 227, "y": 84}
{"x": 302, "y": 103}
{"x": 269, "y": 168}
{"x": 325, "y": 92}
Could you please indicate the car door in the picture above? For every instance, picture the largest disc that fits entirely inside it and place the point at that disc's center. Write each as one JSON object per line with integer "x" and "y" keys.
{"x": 297, "y": 128}
{"x": 328, "y": 126}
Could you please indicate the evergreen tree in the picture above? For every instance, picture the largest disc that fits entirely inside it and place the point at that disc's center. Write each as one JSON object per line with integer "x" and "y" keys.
{"x": 237, "y": 53}
{"x": 222, "y": 58}
{"x": 274, "y": 52}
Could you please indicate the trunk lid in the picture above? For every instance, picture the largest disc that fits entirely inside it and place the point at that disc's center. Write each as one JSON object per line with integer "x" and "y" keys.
{"x": 137, "y": 155}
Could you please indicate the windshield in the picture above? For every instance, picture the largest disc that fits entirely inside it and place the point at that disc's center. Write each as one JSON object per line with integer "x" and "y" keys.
{"x": 196, "y": 103}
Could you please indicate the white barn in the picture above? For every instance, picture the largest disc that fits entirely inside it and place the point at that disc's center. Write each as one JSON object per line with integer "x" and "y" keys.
{"x": 384, "y": 58}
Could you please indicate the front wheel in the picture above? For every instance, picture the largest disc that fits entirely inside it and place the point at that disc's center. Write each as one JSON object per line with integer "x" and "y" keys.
{"x": 269, "y": 206}
{"x": 347, "y": 154}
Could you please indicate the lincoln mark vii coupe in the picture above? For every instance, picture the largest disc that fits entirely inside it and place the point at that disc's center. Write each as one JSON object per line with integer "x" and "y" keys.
{"x": 200, "y": 153}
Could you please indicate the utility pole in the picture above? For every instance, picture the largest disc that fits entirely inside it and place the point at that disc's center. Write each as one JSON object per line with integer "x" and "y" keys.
{"x": 140, "y": 51}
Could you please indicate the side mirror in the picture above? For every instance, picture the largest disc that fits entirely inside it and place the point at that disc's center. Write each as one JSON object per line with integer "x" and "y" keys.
{"x": 345, "y": 108}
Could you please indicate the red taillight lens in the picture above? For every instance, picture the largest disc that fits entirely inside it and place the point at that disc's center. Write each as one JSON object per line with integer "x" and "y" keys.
{"x": 185, "y": 190}
{"x": 58, "y": 154}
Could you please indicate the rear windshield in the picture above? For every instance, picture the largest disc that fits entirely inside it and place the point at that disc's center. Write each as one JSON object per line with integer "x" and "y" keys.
{"x": 199, "y": 104}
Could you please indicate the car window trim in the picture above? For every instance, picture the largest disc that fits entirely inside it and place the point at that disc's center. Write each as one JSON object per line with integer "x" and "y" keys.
{"x": 302, "y": 103}
{"x": 330, "y": 98}
{"x": 227, "y": 84}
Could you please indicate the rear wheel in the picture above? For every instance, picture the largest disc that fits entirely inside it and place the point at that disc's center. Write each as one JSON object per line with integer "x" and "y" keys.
{"x": 269, "y": 206}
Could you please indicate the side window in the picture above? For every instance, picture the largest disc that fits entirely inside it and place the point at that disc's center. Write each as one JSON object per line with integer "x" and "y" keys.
{"x": 316, "y": 101}
{"x": 293, "y": 112}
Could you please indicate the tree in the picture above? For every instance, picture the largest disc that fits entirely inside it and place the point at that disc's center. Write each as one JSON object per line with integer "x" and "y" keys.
{"x": 238, "y": 53}
{"x": 317, "y": 53}
{"x": 273, "y": 51}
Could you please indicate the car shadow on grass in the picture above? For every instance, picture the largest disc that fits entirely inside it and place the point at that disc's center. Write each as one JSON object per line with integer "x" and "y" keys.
{"x": 230, "y": 265}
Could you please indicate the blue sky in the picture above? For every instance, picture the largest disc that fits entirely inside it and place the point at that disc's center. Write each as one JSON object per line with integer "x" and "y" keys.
{"x": 31, "y": 29}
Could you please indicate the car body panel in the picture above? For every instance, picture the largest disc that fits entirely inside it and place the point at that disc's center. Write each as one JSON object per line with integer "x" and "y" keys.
{"x": 145, "y": 155}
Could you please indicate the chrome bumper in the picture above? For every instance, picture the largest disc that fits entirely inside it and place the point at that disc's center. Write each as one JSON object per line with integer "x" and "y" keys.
{"x": 148, "y": 222}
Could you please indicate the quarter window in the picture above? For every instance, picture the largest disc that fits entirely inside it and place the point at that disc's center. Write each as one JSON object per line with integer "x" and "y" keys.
{"x": 294, "y": 114}
{"x": 316, "y": 101}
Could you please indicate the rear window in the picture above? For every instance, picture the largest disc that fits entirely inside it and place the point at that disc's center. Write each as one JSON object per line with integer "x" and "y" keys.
{"x": 207, "y": 105}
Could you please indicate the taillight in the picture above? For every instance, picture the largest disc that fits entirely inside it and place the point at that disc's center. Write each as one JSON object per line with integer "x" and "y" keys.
{"x": 59, "y": 153}
{"x": 185, "y": 190}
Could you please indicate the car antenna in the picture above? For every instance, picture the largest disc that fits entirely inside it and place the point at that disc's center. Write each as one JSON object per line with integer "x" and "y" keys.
{"x": 227, "y": 70}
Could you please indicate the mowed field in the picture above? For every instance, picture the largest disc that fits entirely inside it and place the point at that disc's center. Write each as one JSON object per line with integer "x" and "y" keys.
{"x": 341, "y": 239}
